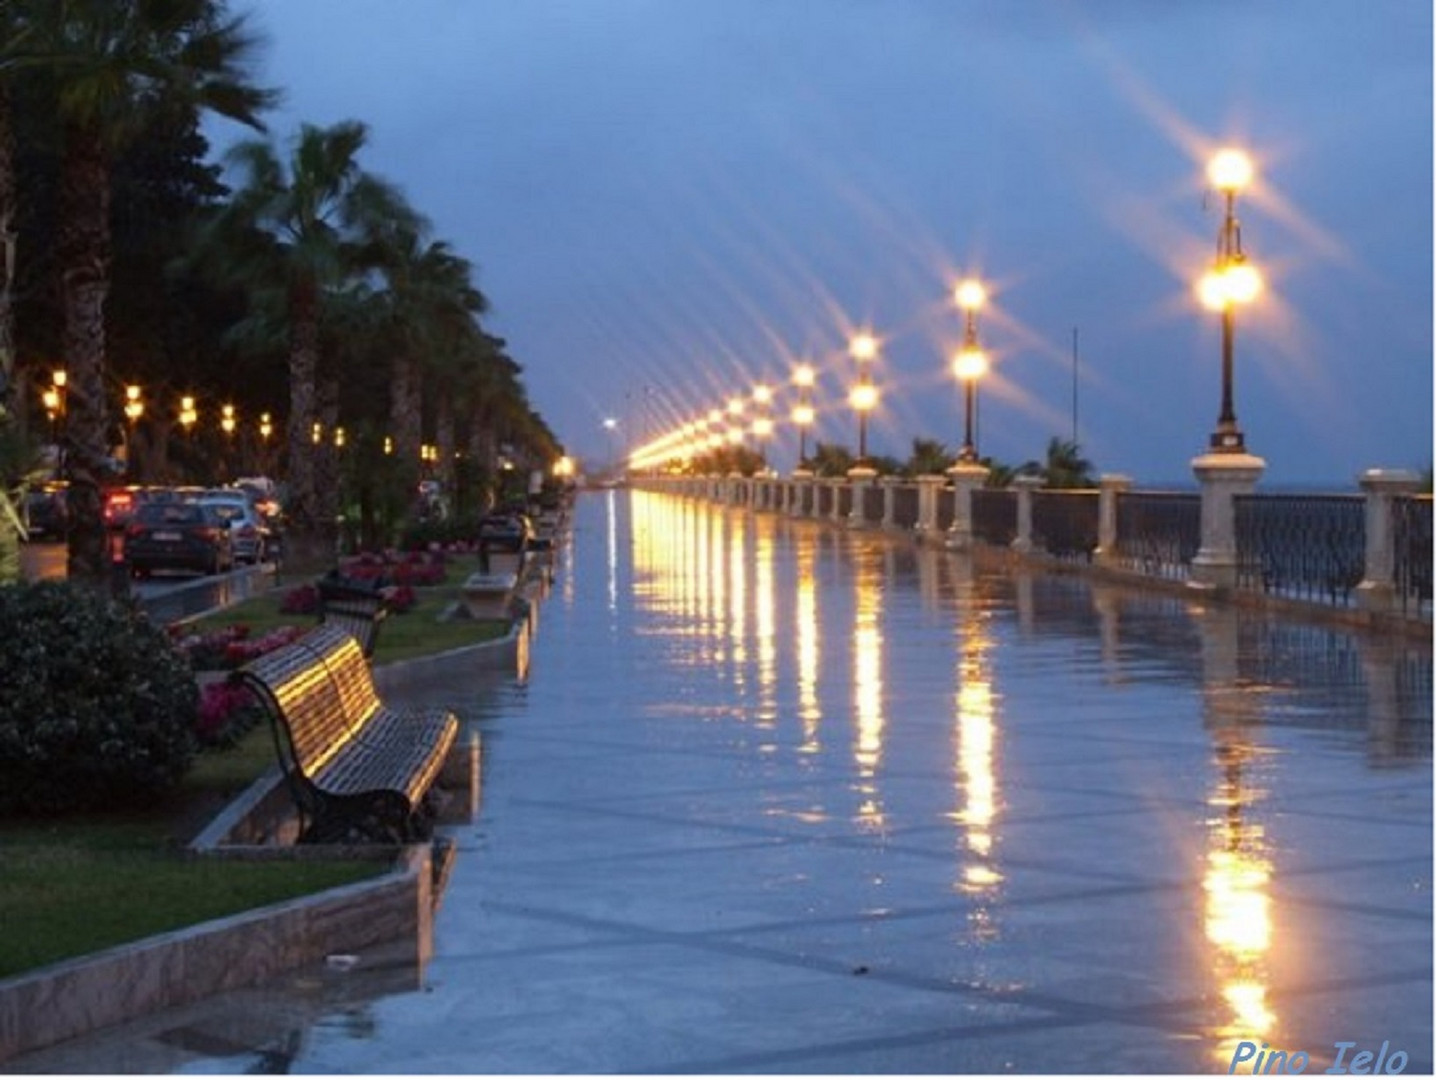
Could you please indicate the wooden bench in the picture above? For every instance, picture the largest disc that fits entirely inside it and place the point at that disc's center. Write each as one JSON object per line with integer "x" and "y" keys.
{"x": 357, "y": 607}
{"x": 359, "y": 771}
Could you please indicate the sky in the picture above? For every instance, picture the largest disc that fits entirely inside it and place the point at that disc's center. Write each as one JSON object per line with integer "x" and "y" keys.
{"x": 668, "y": 201}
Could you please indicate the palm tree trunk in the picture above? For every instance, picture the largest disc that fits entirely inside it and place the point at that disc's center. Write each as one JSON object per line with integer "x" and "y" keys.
{"x": 446, "y": 442}
{"x": 406, "y": 406}
{"x": 84, "y": 251}
{"x": 328, "y": 499}
{"x": 8, "y": 240}
{"x": 303, "y": 539}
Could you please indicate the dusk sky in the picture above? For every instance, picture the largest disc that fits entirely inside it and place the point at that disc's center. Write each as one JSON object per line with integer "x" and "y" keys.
{"x": 668, "y": 200}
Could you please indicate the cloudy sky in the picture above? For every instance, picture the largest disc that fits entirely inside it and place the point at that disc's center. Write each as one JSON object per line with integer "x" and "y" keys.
{"x": 668, "y": 200}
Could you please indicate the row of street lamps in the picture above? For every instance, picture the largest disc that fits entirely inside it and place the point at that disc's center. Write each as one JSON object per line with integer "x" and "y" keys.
{"x": 1232, "y": 281}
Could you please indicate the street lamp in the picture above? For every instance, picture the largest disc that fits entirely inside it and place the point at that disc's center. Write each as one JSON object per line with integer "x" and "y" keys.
{"x": 610, "y": 425}
{"x": 1230, "y": 281}
{"x": 226, "y": 419}
{"x": 969, "y": 363}
{"x": 803, "y": 416}
{"x": 763, "y": 422}
{"x": 863, "y": 348}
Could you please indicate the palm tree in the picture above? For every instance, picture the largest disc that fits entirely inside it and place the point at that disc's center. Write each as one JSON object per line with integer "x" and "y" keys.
{"x": 114, "y": 61}
{"x": 430, "y": 306}
{"x": 929, "y": 457}
{"x": 1066, "y": 467}
{"x": 299, "y": 233}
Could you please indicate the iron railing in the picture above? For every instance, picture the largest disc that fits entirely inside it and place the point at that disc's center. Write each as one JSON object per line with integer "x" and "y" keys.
{"x": 1159, "y": 532}
{"x": 994, "y": 515}
{"x": 905, "y": 506}
{"x": 1411, "y": 549}
{"x": 1064, "y": 523}
{"x": 945, "y": 509}
{"x": 1305, "y": 547}
{"x": 872, "y": 504}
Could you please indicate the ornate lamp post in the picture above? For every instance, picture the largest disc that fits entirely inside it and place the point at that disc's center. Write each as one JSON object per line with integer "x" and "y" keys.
{"x": 969, "y": 363}
{"x": 863, "y": 348}
{"x": 1230, "y": 281}
{"x": 610, "y": 425}
{"x": 134, "y": 409}
{"x": 763, "y": 421}
{"x": 803, "y": 415}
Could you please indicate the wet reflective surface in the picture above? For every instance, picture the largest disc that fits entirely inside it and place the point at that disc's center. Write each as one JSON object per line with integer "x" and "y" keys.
{"x": 781, "y": 797}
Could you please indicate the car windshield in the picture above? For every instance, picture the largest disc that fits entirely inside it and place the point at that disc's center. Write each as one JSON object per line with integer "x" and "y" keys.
{"x": 172, "y": 513}
{"x": 225, "y": 510}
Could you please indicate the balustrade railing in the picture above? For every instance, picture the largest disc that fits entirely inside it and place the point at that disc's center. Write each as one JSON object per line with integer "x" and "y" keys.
{"x": 1159, "y": 532}
{"x": 1064, "y": 523}
{"x": 945, "y": 510}
{"x": 1411, "y": 540}
{"x": 994, "y": 516}
{"x": 1304, "y": 547}
{"x": 905, "y": 506}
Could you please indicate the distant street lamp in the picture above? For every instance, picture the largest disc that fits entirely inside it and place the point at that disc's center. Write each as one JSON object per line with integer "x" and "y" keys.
{"x": 863, "y": 397}
{"x": 134, "y": 409}
{"x": 969, "y": 363}
{"x": 803, "y": 415}
{"x": 1230, "y": 281}
{"x": 763, "y": 422}
{"x": 611, "y": 425}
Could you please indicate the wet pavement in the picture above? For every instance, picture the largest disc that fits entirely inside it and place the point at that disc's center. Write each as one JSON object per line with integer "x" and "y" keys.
{"x": 784, "y": 798}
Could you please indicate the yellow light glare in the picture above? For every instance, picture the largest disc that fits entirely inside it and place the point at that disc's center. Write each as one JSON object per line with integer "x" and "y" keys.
{"x": 803, "y": 415}
{"x": 762, "y": 394}
{"x": 762, "y": 427}
{"x": 1212, "y": 290}
{"x": 804, "y": 375}
{"x": 863, "y": 397}
{"x": 735, "y": 406}
{"x": 735, "y": 435}
{"x": 1230, "y": 170}
{"x": 969, "y": 363}
{"x": 970, "y": 295}
{"x": 863, "y": 347}
{"x": 715, "y": 416}
{"x": 1243, "y": 283}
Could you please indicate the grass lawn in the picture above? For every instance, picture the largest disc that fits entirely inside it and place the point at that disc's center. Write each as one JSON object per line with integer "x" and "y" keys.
{"x": 417, "y": 632}
{"x": 74, "y": 886}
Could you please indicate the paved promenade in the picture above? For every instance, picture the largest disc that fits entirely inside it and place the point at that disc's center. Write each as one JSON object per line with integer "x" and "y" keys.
{"x": 784, "y": 798}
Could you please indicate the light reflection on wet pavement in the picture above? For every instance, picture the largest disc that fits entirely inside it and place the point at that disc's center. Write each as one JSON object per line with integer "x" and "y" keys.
{"x": 784, "y": 798}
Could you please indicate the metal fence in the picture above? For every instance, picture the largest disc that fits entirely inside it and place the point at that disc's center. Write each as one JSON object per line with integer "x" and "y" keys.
{"x": 1305, "y": 547}
{"x": 1064, "y": 523}
{"x": 994, "y": 515}
{"x": 1411, "y": 548}
{"x": 905, "y": 506}
{"x": 1159, "y": 532}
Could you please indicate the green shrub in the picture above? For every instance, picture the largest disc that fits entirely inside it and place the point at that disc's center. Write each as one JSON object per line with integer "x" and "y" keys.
{"x": 98, "y": 707}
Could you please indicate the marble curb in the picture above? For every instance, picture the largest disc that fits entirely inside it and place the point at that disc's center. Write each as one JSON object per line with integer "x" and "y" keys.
{"x": 75, "y": 997}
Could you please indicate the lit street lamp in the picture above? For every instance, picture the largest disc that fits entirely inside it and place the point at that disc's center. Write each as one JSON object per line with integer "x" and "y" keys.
{"x": 1230, "y": 281}
{"x": 970, "y": 362}
{"x": 611, "y": 425}
{"x": 803, "y": 415}
{"x": 864, "y": 396}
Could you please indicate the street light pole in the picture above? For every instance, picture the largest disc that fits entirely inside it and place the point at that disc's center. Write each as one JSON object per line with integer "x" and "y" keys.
{"x": 803, "y": 378}
{"x": 864, "y": 396}
{"x": 1231, "y": 281}
{"x": 970, "y": 363}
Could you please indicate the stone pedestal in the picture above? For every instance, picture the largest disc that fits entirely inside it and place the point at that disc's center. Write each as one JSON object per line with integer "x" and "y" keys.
{"x": 1377, "y": 591}
{"x": 890, "y": 485}
{"x": 1110, "y": 485}
{"x": 860, "y": 478}
{"x": 1025, "y": 486}
{"x": 966, "y": 478}
{"x": 802, "y": 503}
{"x": 927, "y": 489}
{"x": 1223, "y": 477}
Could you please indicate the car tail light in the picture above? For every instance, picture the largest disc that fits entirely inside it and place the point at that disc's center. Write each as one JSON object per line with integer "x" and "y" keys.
{"x": 209, "y": 533}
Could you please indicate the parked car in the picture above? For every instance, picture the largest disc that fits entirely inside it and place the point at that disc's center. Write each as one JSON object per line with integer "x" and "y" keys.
{"x": 246, "y": 527}
{"x": 175, "y": 535}
{"x": 47, "y": 513}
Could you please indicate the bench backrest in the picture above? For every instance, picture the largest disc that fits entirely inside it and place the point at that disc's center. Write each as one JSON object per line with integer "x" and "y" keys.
{"x": 305, "y": 696}
{"x": 342, "y": 656}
